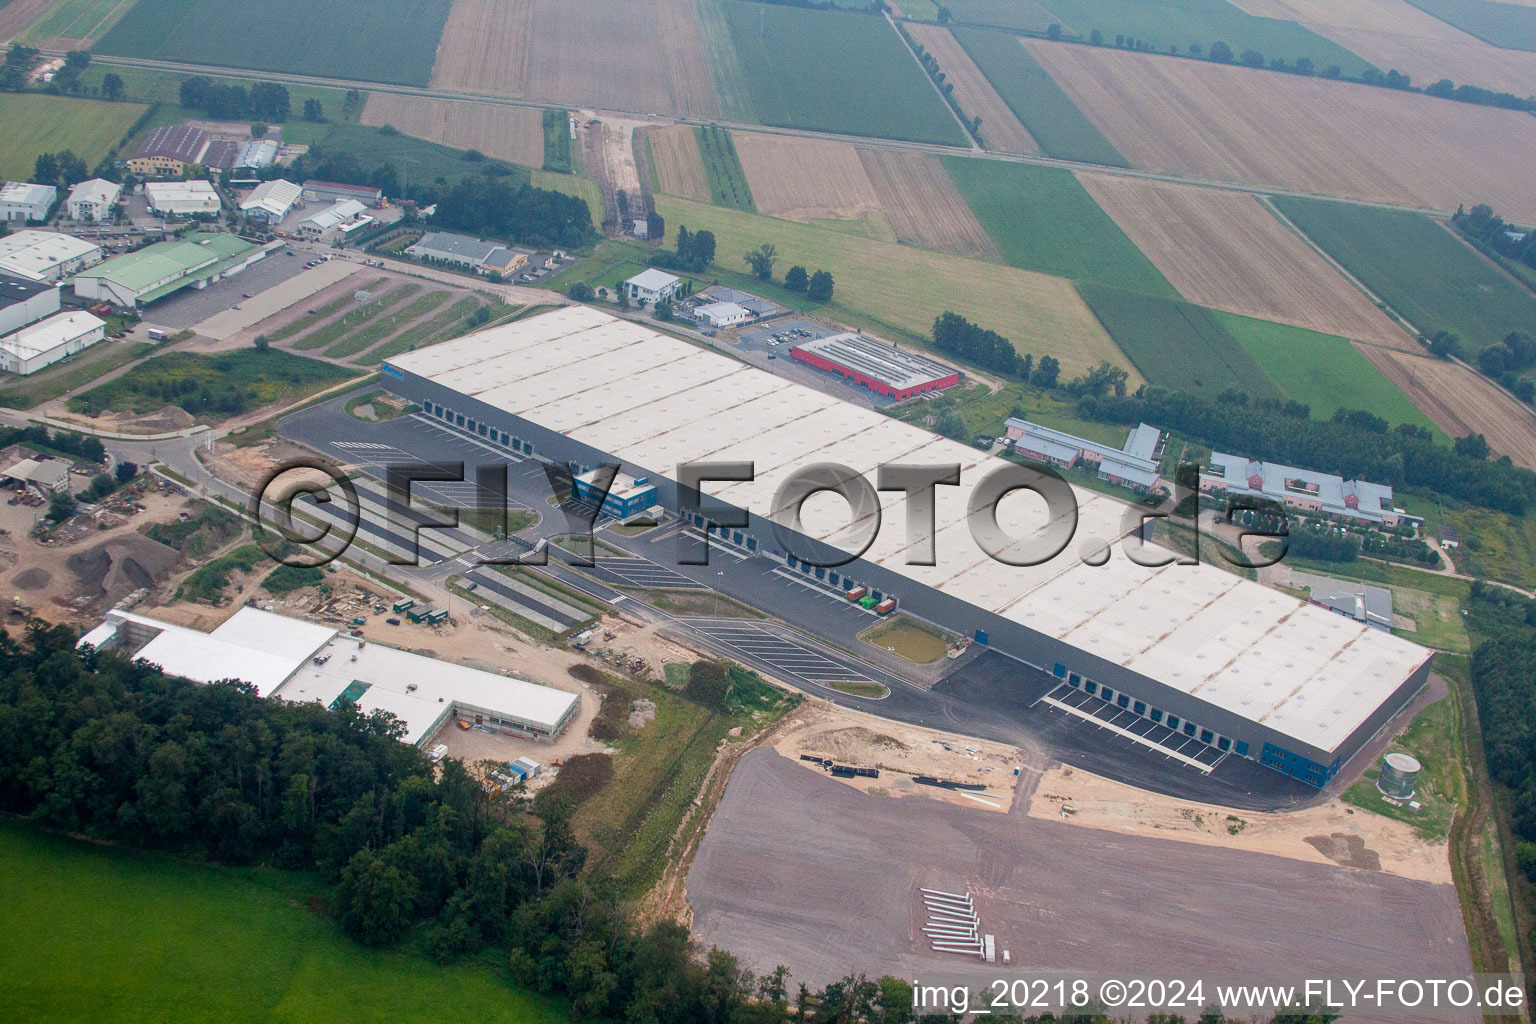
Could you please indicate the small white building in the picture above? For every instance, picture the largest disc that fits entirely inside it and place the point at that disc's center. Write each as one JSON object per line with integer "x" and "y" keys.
{"x": 336, "y": 218}
{"x": 651, "y": 286}
{"x": 48, "y": 475}
{"x": 722, "y": 314}
{"x": 46, "y": 255}
{"x": 93, "y": 200}
{"x": 182, "y": 198}
{"x": 270, "y": 201}
{"x": 23, "y": 201}
{"x": 47, "y": 341}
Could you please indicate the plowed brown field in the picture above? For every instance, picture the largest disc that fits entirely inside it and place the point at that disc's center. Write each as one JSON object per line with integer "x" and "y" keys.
{"x": 1000, "y": 130}
{"x": 1225, "y": 123}
{"x": 507, "y": 133}
{"x": 1396, "y": 34}
{"x": 18, "y": 14}
{"x": 924, "y": 207}
{"x": 679, "y": 169}
{"x": 642, "y": 56}
{"x": 805, "y": 179}
{"x": 1461, "y": 402}
{"x": 1224, "y": 249}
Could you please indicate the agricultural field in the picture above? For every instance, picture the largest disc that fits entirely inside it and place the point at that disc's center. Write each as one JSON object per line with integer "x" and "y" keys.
{"x": 797, "y": 71}
{"x": 676, "y": 166}
{"x": 559, "y": 142}
{"x": 16, "y": 15}
{"x": 36, "y": 123}
{"x": 1049, "y": 114}
{"x": 514, "y": 134}
{"x": 1180, "y": 23}
{"x": 1510, "y": 25}
{"x": 1461, "y": 401}
{"x": 1176, "y": 344}
{"x": 1227, "y": 251}
{"x": 1322, "y": 371}
{"x": 727, "y": 181}
{"x": 1395, "y": 34}
{"x": 108, "y": 929}
{"x": 211, "y": 388}
{"x": 368, "y": 40}
{"x": 922, "y": 204}
{"x": 1023, "y": 15}
{"x": 581, "y": 52}
{"x": 899, "y": 290}
{"x": 1042, "y": 219}
{"x": 1418, "y": 267}
{"x": 423, "y": 160}
{"x": 1212, "y": 121}
{"x": 74, "y": 24}
{"x": 1000, "y": 129}
{"x": 805, "y": 179}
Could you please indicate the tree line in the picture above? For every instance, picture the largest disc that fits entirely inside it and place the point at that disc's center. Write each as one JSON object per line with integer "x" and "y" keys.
{"x": 1504, "y": 681}
{"x": 1354, "y": 444}
{"x": 267, "y": 101}
{"x": 488, "y": 205}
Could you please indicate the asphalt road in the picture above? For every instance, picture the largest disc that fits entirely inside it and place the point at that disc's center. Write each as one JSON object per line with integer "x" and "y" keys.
{"x": 990, "y": 695}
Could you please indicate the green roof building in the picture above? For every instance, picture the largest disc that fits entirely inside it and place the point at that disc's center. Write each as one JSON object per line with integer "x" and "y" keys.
{"x": 139, "y": 278}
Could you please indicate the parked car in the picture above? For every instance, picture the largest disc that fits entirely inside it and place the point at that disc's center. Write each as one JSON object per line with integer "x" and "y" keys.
{"x": 393, "y": 621}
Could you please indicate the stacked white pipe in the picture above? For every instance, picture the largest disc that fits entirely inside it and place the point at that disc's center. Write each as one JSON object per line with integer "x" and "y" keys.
{"x": 953, "y": 926}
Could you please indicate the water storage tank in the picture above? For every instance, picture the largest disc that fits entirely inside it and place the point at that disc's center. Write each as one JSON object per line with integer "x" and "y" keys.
{"x": 1399, "y": 776}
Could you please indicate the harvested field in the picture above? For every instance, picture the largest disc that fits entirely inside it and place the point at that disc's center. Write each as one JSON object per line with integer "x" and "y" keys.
{"x": 849, "y": 900}
{"x": 805, "y": 179}
{"x": 1396, "y": 34}
{"x": 1206, "y": 120}
{"x": 923, "y": 205}
{"x": 18, "y": 14}
{"x": 1000, "y": 129}
{"x": 581, "y": 52}
{"x": 515, "y": 134}
{"x": 679, "y": 168}
{"x": 1461, "y": 401}
{"x": 1225, "y": 250}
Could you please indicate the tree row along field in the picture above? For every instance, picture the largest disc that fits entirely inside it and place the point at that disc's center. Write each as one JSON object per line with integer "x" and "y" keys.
{"x": 1180, "y": 24}
{"x": 1001, "y": 130}
{"x": 368, "y": 40}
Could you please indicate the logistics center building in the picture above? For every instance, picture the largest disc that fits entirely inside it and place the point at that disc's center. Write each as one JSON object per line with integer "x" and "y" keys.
{"x": 1242, "y": 668}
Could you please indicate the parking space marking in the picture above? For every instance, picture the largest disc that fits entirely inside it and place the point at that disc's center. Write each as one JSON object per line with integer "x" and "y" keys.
{"x": 1204, "y": 758}
{"x": 648, "y": 575}
{"x": 780, "y": 652}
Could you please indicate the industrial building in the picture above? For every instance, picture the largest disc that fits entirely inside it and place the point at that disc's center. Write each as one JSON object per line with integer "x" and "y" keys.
{"x": 1370, "y": 605}
{"x": 338, "y": 218}
{"x": 93, "y": 200}
{"x": 335, "y": 192}
{"x": 1133, "y": 465}
{"x": 1304, "y": 490}
{"x": 651, "y": 286}
{"x": 24, "y": 301}
{"x": 48, "y": 475}
{"x": 452, "y": 249}
{"x": 722, "y": 314}
{"x": 182, "y": 198}
{"x": 270, "y": 201}
{"x": 880, "y": 366}
{"x": 291, "y": 659}
{"x": 46, "y": 342}
{"x": 46, "y": 255}
{"x": 627, "y": 497}
{"x": 169, "y": 151}
{"x": 1244, "y": 669}
{"x": 24, "y": 201}
{"x": 140, "y": 277}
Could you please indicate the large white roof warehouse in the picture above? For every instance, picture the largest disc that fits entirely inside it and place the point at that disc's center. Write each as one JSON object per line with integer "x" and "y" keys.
{"x": 301, "y": 661}
{"x": 1223, "y": 652}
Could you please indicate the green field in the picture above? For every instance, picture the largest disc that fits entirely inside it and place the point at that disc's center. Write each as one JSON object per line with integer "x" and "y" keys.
{"x": 66, "y": 375}
{"x": 355, "y": 317}
{"x": 1322, "y": 371}
{"x": 36, "y": 123}
{"x": 1510, "y": 25}
{"x": 439, "y": 328}
{"x": 727, "y": 181}
{"x": 1432, "y": 278}
{"x": 371, "y": 335}
{"x": 1042, "y": 219}
{"x": 1495, "y": 545}
{"x": 211, "y": 387}
{"x": 369, "y": 40}
{"x": 70, "y": 19}
{"x": 1024, "y": 15}
{"x": 1062, "y": 130}
{"x": 92, "y": 933}
{"x": 557, "y": 142}
{"x": 834, "y": 71}
{"x": 584, "y": 189}
{"x": 1176, "y": 344}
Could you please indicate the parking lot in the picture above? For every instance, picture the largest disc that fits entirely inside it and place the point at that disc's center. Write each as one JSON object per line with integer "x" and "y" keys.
{"x": 1133, "y": 728}
{"x": 785, "y": 328}
{"x": 191, "y": 306}
{"x": 785, "y": 654}
{"x": 643, "y": 573}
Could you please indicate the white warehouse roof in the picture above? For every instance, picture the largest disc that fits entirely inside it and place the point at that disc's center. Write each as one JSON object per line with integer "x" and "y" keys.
{"x": 655, "y": 402}
{"x": 38, "y": 254}
{"x": 275, "y": 197}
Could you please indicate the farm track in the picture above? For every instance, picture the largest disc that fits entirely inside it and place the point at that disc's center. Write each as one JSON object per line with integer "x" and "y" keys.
{"x": 864, "y": 141}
